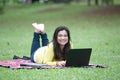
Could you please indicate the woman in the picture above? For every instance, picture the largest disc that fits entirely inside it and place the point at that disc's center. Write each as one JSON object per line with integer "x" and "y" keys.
{"x": 52, "y": 53}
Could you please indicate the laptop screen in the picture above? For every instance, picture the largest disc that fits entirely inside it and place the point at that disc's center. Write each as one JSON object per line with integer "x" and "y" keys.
{"x": 78, "y": 57}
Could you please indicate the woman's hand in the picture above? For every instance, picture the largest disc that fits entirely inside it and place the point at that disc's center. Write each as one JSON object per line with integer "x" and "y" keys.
{"x": 61, "y": 63}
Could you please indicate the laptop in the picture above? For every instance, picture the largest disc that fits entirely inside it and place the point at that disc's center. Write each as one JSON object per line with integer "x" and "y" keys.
{"x": 78, "y": 57}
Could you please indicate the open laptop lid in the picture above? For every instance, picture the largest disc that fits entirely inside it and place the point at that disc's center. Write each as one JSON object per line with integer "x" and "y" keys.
{"x": 78, "y": 57}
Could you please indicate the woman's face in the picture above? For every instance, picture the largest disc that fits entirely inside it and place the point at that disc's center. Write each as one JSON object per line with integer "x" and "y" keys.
{"x": 62, "y": 38}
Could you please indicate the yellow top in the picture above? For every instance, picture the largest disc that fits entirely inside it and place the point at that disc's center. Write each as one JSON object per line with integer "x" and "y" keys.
{"x": 45, "y": 55}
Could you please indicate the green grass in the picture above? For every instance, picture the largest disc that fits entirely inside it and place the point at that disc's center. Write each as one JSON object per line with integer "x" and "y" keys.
{"x": 100, "y": 32}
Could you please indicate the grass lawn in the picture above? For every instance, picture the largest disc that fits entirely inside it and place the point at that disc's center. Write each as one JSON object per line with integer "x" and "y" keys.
{"x": 95, "y": 27}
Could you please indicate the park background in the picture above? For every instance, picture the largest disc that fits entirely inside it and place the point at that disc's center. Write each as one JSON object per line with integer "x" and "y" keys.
{"x": 91, "y": 26}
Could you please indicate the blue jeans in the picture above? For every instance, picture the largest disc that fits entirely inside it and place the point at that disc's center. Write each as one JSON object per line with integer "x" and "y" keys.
{"x": 36, "y": 43}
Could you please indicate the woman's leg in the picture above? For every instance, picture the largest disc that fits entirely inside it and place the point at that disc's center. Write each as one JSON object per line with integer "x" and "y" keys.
{"x": 39, "y": 30}
{"x": 45, "y": 40}
{"x": 36, "y": 43}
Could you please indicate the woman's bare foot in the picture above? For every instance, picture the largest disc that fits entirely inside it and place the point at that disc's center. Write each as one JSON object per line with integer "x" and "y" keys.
{"x": 39, "y": 28}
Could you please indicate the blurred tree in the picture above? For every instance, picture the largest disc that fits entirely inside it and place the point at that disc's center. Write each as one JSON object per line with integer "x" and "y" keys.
{"x": 1, "y": 10}
{"x": 2, "y": 4}
{"x": 107, "y": 2}
{"x": 96, "y": 2}
{"x": 62, "y": 1}
{"x": 35, "y": 1}
{"x": 89, "y": 2}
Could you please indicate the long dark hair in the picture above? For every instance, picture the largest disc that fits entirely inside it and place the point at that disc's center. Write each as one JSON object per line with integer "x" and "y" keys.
{"x": 58, "y": 54}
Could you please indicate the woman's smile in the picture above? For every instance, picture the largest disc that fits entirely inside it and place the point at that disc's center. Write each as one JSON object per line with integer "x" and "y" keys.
{"x": 62, "y": 38}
